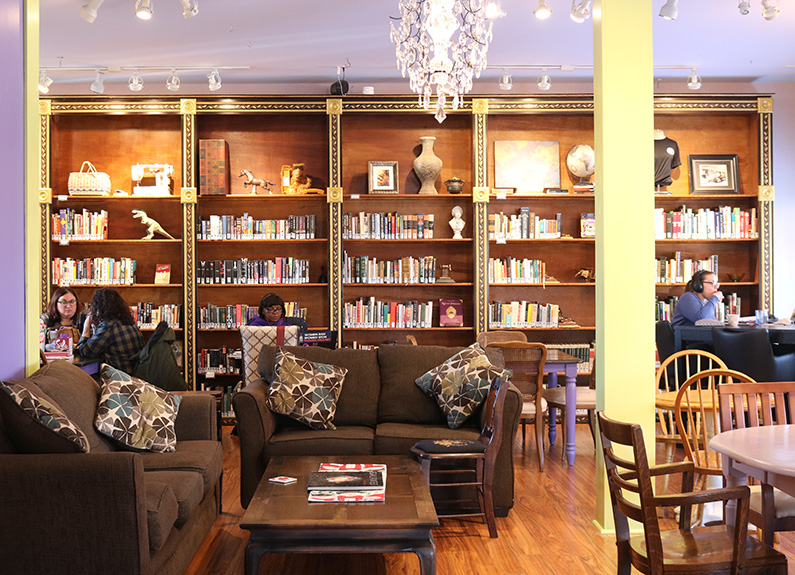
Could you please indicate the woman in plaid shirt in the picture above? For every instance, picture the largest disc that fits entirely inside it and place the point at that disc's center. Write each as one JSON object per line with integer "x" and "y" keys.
{"x": 116, "y": 339}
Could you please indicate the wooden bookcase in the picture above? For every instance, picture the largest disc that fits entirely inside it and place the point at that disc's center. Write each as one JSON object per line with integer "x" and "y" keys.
{"x": 335, "y": 138}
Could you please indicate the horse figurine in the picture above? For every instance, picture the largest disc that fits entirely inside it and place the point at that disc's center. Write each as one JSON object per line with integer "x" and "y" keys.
{"x": 152, "y": 226}
{"x": 254, "y": 182}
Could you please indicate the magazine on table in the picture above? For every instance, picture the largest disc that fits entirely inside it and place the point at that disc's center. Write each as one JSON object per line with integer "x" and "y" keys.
{"x": 350, "y": 483}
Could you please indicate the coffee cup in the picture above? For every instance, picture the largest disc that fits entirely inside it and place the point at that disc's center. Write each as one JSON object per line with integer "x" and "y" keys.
{"x": 761, "y": 316}
{"x": 734, "y": 319}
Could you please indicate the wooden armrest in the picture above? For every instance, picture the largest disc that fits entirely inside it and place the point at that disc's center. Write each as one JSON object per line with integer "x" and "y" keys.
{"x": 698, "y": 497}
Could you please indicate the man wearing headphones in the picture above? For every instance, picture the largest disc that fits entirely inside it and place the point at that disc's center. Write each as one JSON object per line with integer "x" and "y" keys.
{"x": 700, "y": 300}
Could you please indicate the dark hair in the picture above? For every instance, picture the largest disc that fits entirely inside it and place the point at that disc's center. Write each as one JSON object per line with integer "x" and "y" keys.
{"x": 268, "y": 300}
{"x": 696, "y": 283}
{"x": 52, "y": 307}
{"x": 108, "y": 305}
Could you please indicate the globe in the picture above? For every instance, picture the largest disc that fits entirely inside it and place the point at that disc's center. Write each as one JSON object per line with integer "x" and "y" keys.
{"x": 580, "y": 161}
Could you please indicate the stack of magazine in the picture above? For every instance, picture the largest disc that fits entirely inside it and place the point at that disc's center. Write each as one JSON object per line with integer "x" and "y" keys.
{"x": 347, "y": 483}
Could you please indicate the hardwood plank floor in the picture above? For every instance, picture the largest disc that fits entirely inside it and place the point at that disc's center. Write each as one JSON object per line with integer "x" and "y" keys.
{"x": 549, "y": 530}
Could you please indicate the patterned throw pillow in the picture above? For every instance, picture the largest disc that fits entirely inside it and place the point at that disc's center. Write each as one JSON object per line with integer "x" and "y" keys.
{"x": 135, "y": 413}
{"x": 254, "y": 337}
{"x": 50, "y": 430}
{"x": 304, "y": 390}
{"x": 461, "y": 383}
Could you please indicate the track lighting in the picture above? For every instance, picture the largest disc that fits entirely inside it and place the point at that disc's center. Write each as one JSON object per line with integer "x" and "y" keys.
{"x": 770, "y": 9}
{"x": 669, "y": 11}
{"x": 190, "y": 8}
{"x": 173, "y": 81}
{"x": 580, "y": 10}
{"x": 44, "y": 82}
{"x": 98, "y": 85}
{"x": 143, "y": 9}
{"x": 542, "y": 11}
{"x": 744, "y": 7}
{"x": 136, "y": 83}
{"x": 88, "y": 12}
{"x": 693, "y": 80}
{"x": 494, "y": 10}
{"x": 544, "y": 81}
{"x": 506, "y": 83}
{"x": 214, "y": 79}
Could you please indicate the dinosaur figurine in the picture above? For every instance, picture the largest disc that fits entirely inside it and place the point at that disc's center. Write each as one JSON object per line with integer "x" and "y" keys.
{"x": 152, "y": 227}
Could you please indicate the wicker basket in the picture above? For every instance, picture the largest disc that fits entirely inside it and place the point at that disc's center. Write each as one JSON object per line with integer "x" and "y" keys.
{"x": 89, "y": 182}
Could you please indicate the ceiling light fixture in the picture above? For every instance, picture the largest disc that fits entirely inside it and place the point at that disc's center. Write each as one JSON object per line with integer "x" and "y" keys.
{"x": 143, "y": 9}
{"x": 544, "y": 81}
{"x": 744, "y": 7}
{"x": 98, "y": 85}
{"x": 494, "y": 10}
{"x": 693, "y": 80}
{"x": 136, "y": 83}
{"x": 190, "y": 8}
{"x": 580, "y": 10}
{"x": 669, "y": 11}
{"x": 542, "y": 11}
{"x": 173, "y": 81}
{"x": 506, "y": 83}
{"x": 44, "y": 82}
{"x": 88, "y": 12}
{"x": 214, "y": 79}
{"x": 770, "y": 9}
{"x": 428, "y": 34}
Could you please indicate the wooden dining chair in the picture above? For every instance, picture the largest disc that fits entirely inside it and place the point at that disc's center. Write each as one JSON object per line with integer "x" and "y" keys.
{"x": 751, "y": 405}
{"x": 718, "y": 549}
{"x": 526, "y": 360}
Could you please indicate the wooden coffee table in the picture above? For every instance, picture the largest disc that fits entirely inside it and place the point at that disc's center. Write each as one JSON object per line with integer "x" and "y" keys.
{"x": 281, "y": 520}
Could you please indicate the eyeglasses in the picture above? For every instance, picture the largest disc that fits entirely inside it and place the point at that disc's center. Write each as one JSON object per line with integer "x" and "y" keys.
{"x": 716, "y": 284}
{"x": 273, "y": 309}
{"x": 67, "y": 302}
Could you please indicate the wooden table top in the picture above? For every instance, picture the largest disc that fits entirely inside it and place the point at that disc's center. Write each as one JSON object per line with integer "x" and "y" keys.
{"x": 281, "y": 508}
{"x": 556, "y": 356}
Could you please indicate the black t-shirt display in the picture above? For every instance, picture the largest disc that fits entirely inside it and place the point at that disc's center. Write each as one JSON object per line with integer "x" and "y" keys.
{"x": 666, "y": 158}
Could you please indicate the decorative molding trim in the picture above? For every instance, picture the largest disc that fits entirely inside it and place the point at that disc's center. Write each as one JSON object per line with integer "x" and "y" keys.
{"x": 765, "y": 255}
{"x": 124, "y": 106}
{"x": 480, "y": 106}
{"x": 335, "y": 151}
{"x": 45, "y": 254}
{"x": 480, "y": 150}
{"x": 335, "y": 267}
{"x": 187, "y": 195}
{"x": 334, "y": 106}
{"x": 480, "y": 211}
{"x": 45, "y": 195}
{"x": 187, "y": 106}
{"x": 44, "y": 151}
{"x": 189, "y": 150}
{"x": 189, "y": 286}
{"x": 334, "y": 195}
{"x": 766, "y": 149}
{"x": 767, "y": 193}
{"x": 480, "y": 195}
{"x": 765, "y": 105}
{"x": 45, "y": 107}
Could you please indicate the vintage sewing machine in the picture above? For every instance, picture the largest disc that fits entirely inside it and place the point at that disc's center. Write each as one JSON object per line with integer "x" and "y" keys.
{"x": 158, "y": 179}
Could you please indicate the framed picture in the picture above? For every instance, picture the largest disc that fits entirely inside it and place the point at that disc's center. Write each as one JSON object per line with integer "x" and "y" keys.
{"x": 527, "y": 166}
{"x": 382, "y": 177}
{"x": 714, "y": 174}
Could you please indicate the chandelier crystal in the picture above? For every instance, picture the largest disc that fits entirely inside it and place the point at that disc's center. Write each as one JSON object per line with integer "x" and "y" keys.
{"x": 442, "y": 44}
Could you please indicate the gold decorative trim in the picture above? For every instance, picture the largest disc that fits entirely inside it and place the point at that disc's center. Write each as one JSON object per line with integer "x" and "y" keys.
{"x": 44, "y": 151}
{"x": 479, "y": 151}
{"x": 334, "y": 195}
{"x": 114, "y": 107}
{"x": 334, "y": 267}
{"x": 187, "y": 195}
{"x": 265, "y": 106}
{"x": 480, "y": 213}
{"x": 333, "y": 106}
{"x": 335, "y": 150}
{"x": 187, "y": 106}
{"x": 45, "y": 254}
{"x": 480, "y": 106}
{"x": 45, "y": 107}
{"x": 188, "y": 150}
{"x": 765, "y": 105}
{"x": 45, "y": 195}
{"x": 767, "y": 193}
{"x": 765, "y": 255}
{"x": 480, "y": 195}
{"x": 189, "y": 286}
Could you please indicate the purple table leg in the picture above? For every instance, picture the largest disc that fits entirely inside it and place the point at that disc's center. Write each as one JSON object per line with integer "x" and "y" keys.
{"x": 570, "y": 369}
{"x": 552, "y": 381}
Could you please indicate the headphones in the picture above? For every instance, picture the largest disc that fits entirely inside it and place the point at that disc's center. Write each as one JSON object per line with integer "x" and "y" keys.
{"x": 697, "y": 281}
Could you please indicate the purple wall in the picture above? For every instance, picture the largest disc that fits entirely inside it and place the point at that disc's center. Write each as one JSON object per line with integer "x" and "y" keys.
{"x": 12, "y": 190}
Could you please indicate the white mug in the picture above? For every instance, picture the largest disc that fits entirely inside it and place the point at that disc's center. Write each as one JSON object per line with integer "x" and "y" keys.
{"x": 734, "y": 320}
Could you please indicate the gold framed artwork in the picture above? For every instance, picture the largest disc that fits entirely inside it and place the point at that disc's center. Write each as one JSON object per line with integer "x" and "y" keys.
{"x": 528, "y": 166}
{"x": 382, "y": 177}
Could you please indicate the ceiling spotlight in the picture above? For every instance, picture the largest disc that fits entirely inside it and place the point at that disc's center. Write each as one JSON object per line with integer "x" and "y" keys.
{"x": 44, "y": 82}
{"x": 542, "y": 12}
{"x": 494, "y": 10}
{"x": 88, "y": 12}
{"x": 98, "y": 85}
{"x": 580, "y": 10}
{"x": 173, "y": 81}
{"x": 136, "y": 82}
{"x": 544, "y": 81}
{"x": 190, "y": 8}
{"x": 693, "y": 80}
{"x": 506, "y": 83}
{"x": 669, "y": 11}
{"x": 770, "y": 9}
{"x": 215, "y": 80}
{"x": 744, "y": 7}
{"x": 143, "y": 9}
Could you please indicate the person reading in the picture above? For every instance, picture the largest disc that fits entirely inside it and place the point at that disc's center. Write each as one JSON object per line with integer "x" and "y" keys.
{"x": 63, "y": 314}
{"x": 700, "y": 300}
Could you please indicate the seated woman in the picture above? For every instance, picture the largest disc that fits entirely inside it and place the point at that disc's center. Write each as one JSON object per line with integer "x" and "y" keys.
{"x": 116, "y": 339}
{"x": 271, "y": 312}
{"x": 700, "y": 300}
{"x": 63, "y": 314}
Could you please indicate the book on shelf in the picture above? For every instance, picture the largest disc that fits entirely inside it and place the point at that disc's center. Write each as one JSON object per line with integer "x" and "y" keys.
{"x": 163, "y": 274}
{"x": 214, "y": 175}
{"x": 588, "y": 225}
{"x": 345, "y": 480}
{"x": 451, "y": 312}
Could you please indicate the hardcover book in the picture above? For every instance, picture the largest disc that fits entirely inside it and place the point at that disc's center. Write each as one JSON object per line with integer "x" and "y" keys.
{"x": 214, "y": 177}
{"x": 451, "y": 312}
{"x": 345, "y": 480}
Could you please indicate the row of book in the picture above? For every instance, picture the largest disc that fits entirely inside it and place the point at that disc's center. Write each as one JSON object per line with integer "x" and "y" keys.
{"x": 280, "y": 270}
{"x": 523, "y": 314}
{"x": 722, "y": 222}
{"x": 220, "y": 361}
{"x": 664, "y": 308}
{"x": 371, "y": 270}
{"x": 679, "y": 270}
{"x": 524, "y": 225}
{"x": 387, "y": 226}
{"x": 93, "y": 271}
{"x": 147, "y": 314}
{"x": 69, "y": 224}
{"x": 582, "y": 351}
{"x": 369, "y": 312}
{"x": 515, "y": 270}
{"x": 234, "y": 316}
{"x": 245, "y": 227}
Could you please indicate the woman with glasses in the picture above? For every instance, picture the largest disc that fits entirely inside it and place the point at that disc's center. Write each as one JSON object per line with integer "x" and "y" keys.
{"x": 63, "y": 314}
{"x": 700, "y": 300}
{"x": 270, "y": 312}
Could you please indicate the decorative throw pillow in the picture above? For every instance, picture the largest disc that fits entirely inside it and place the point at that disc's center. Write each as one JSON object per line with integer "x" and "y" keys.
{"x": 254, "y": 337}
{"x": 461, "y": 383}
{"x": 136, "y": 413}
{"x": 37, "y": 424}
{"x": 304, "y": 390}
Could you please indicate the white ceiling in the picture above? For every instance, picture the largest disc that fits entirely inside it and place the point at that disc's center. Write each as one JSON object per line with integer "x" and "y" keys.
{"x": 294, "y": 46}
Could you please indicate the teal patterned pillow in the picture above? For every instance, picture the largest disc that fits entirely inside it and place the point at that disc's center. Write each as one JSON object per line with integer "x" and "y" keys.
{"x": 37, "y": 424}
{"x": 305, "y": 390}
{"x": 135, "y": 413}
{"x": 461, "y": 383}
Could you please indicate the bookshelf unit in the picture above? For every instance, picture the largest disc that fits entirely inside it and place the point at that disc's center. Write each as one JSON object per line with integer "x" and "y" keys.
{"x": 336, "y": 138}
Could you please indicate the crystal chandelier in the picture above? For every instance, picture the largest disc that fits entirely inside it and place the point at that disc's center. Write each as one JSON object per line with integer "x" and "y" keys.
{"x": 426, "y": 47}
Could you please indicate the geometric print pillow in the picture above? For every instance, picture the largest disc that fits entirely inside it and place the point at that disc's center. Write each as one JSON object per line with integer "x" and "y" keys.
{"x": 461, "y": 383}
{"x": 304, "y": 390}
{"x": 255, "y": 336}
{"x": 42, "y": 427}
{"x": 136, "y": 413}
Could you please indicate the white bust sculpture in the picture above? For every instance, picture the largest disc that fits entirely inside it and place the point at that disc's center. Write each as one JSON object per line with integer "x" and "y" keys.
{"x": 457, "y": 223}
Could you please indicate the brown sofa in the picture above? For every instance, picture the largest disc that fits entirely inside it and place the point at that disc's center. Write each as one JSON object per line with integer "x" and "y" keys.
{"x": 380, "y": 411}
{"x": 106, "y": 511}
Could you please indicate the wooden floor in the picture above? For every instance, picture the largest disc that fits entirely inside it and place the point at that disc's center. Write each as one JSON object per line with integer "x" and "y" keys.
{"x": 549, "y": 530}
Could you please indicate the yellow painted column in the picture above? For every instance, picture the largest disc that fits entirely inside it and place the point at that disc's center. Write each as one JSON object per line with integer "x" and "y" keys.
{"x": 623, "y": 130}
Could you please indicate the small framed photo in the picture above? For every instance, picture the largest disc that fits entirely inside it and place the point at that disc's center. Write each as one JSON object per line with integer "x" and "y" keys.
{"x": 382, "y": 177}
{"x": 714, "y": 174}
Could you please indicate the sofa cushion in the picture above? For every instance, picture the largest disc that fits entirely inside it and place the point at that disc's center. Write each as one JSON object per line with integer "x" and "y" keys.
{"x": 202, "y": 456}
{"x": 348, "y": 440}
{"x": 358, "y": 401}
{"x": 257, "y": 337}
{"x": 188, "y": 489}
{"x": 304, "y": 390}
{"x": 135, "y": 413}
{"x": 161, "y": 512}
{"x": 36, "y": 423}
{"x": 460, "y": 383}
{"x": 398, "y": 438}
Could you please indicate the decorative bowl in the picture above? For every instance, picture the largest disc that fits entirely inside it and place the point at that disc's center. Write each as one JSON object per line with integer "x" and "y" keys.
{"x": 736, "y": 277}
